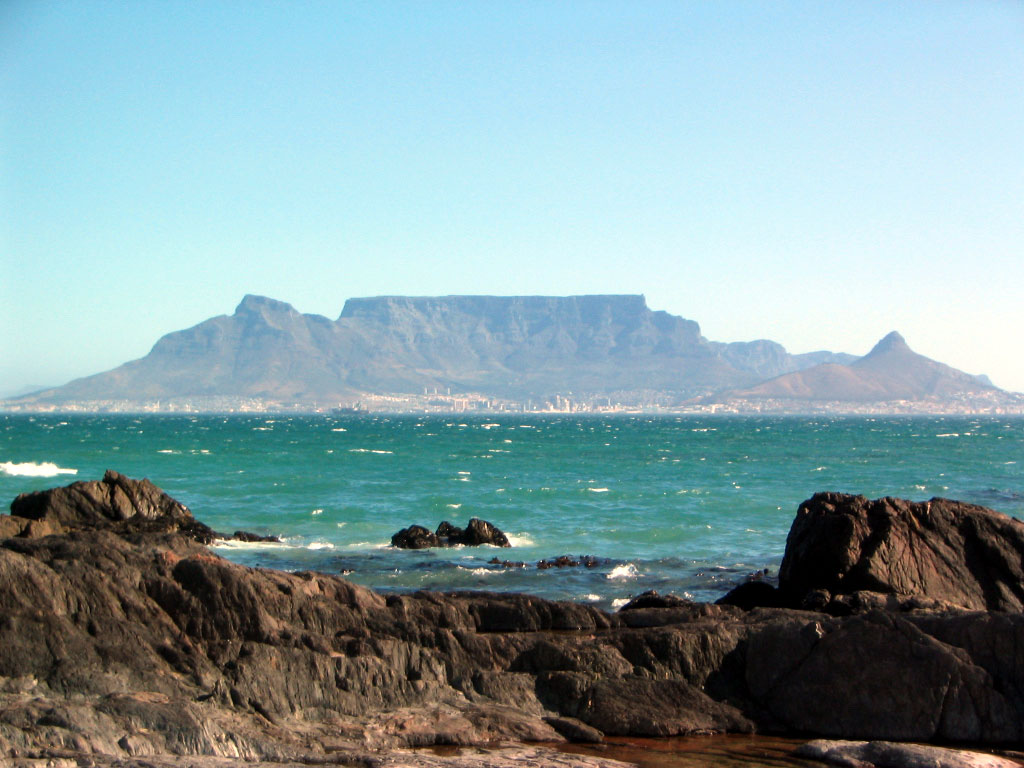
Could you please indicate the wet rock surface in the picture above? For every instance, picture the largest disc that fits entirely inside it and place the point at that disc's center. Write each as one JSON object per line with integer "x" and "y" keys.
{"x": 122, "y": 637}
{"x": 476, "y": 533}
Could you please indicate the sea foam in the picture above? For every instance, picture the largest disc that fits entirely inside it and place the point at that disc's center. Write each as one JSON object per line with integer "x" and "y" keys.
{"x": 32, "y": 469}
{"x": 519, "y": 540}
{"x": 623, "y": 572}
{"x": 234, "y": 544}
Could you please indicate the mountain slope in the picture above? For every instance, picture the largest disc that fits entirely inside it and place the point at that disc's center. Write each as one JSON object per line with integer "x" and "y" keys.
{"x": 511, "y": 346}
{"x": 890, "y": 371}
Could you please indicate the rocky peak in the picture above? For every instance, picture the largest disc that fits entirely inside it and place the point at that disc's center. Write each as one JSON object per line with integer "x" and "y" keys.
{"x": 893, "y": 342}
{"x": 263, "y": 307}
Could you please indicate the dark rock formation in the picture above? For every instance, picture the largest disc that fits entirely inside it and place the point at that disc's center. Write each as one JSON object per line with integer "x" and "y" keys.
{"x": 506, "y": 563}
{"x": 753, "y": 594}
{"x": 415, "y": 537}
{"x": 960, "y": 554}
{"x": 134, "y": 641}
{"x": 651, "y": 599}
{"x": 568, "y": 561}
{"x": 118, "y": 504}
{"x": 476, "y": 533}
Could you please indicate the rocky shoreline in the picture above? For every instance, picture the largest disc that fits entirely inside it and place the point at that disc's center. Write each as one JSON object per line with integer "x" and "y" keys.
{"x": 124, "y": 640}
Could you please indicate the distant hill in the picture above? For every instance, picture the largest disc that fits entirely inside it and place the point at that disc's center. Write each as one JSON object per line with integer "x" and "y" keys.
{"x": 510, "y": 347}
{"x": 609, "y": 348}
{"x": 890, "y": 371}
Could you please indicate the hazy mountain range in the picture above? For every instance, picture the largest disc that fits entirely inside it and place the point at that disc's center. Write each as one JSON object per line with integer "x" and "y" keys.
{"x": 521, "y": 348}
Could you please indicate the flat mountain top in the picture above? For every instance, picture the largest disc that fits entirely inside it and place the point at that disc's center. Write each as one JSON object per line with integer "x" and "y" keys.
{"x": 518, "y": 350}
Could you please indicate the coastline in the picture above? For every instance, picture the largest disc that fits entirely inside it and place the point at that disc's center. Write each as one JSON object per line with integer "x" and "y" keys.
{"x": 241, "y": 663}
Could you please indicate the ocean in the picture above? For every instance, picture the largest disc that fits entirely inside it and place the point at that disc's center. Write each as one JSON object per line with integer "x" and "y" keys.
{"x": 686, "y": 505}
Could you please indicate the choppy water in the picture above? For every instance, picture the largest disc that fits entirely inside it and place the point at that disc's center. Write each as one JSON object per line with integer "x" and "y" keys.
{"x": 686, "y": 505}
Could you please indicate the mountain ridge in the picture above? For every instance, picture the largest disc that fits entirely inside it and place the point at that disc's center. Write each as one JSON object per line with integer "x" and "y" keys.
{"x": 890, "y": 371}
{"x": 607, "y": 347}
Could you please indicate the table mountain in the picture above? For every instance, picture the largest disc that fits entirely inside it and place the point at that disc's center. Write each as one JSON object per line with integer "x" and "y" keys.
{"x": 501, "y": 346}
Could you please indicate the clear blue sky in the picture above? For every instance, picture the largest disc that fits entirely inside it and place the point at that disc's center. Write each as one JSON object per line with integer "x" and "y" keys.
{"x": 817, "y": 173}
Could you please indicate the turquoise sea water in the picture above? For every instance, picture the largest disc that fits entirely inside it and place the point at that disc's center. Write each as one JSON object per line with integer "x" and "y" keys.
{"x": 688, "y": 505}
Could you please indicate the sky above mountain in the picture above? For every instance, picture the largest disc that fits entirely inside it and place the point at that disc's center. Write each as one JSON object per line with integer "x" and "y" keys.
{"x": 814, "y": 173}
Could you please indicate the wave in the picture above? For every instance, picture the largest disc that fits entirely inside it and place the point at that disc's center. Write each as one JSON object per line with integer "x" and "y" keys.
{"x": 482, "y": 571}
{"x": 32, "y": 469}
{"x": 519, "y": 540}
{"x": 368, "y": 450}
{"x": 233, "y": 544}
{"x": 623, "y": 572}
{"x": 598, "y": 490}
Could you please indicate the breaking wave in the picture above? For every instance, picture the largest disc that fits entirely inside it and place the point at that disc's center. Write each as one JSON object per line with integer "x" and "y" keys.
{"x": 33, "y": 469}
{"x": 623, "y": 572}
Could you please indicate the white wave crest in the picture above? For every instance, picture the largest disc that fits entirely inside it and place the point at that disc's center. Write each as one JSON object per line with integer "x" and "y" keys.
{"x": 598, "y": 490}
{"x": 32, "y": 469}
{"x": 623, "y": 572}
{"x": 519, "y": 539}
{"x": 482, "y": 571}
{"x": 619, "y": 602}
{"x": 320, "y": 545}
{"x": 232, "y": 544}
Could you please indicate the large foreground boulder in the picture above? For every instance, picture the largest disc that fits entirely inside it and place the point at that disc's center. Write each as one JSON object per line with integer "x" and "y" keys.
{"x": 130, "y": 643}
{"x": 947, "y": 551}
{"x": 118, "y": 504}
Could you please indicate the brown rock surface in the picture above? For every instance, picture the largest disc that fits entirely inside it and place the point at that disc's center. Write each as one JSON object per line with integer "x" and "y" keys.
{"x": 961, "y": 554}
{"x": 133, "y": 641}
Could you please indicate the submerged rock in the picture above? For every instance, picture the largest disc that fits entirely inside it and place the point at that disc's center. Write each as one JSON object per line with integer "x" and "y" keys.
{"x": 568, "y": 561}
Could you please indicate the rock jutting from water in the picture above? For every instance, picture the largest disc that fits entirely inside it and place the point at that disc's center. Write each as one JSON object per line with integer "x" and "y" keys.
{"x": 124, "y": 638}
{"x": 476, "y": 533}
{"x": 847, "y": 552}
